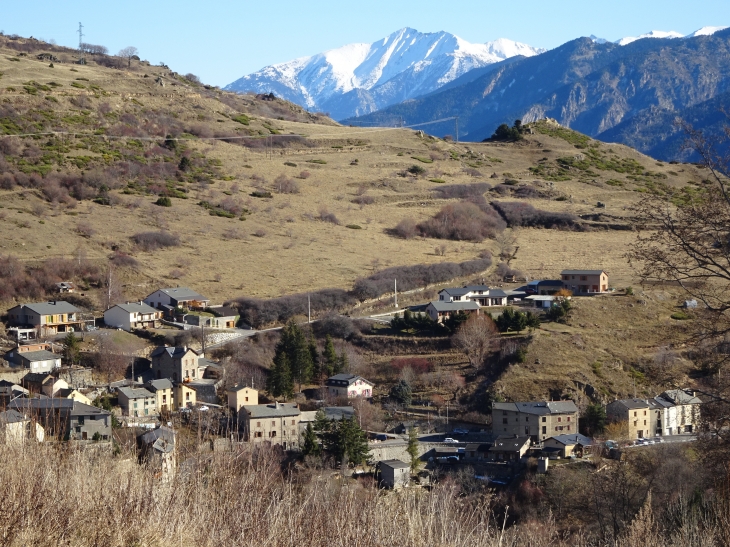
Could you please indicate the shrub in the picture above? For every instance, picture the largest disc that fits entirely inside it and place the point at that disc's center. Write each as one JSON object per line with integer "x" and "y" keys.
{"x": 85, "y": 229}
{"x": 354, "y": 227}
{"x": 406, "y": 229}
{"x": 123, "y": 260}
{"x": 465, "y": 221}
{"x": 261, "y": 194}
{"x": 364, "y": 200}
{"x": 419, "y": 365}
{"x": 304, "y": 175}
{"x": 523, "y": 214}
{"x": 681, "y": 316}
{"x": 164, "y": 201}
{"x": 326, "y": 216}
{"x": 285, "y": 185}
{"x": 152, "y": 241}
{"x": 416, "y": 170}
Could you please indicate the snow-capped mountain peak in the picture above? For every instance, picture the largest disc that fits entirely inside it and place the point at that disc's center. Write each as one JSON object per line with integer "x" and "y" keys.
{"x": 360, "y": 78}
{"x": 652, "y": 34}
{"x": 705, "y": 31}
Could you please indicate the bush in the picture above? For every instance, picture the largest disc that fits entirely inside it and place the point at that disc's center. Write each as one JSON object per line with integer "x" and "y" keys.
{"x": 406, "y": 229}
{"x": 285, "y": 185}
{"x": 326, "y": 216}
{"x": 419, "y": 365}
{"x": 505, "y": 133}
{"x": 258, "y": 312}
{"x": 152, "y": 241}
{"x": 416, "y": 170}
{"x": 520, "y": 214}
{"x": 164, "y": 201}
{"x": 465, "y": 221}
{"x": 261, "y": 194}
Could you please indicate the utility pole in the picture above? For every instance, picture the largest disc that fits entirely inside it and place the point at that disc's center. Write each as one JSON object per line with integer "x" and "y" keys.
{"x": 81, "y": 35}
{"x": 309, "y": 308}
{"x": 395, "y": 292}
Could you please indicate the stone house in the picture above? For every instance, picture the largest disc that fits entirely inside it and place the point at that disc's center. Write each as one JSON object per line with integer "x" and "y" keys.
{"x": 349, "y": 386}
{"x": 637, "y": 413}
{"x": 394, "y": 474}
{"x": 276, "y": 423}
{"x": 538, "y": 420}
{"x": 39, "y": 361}
{"x": 585, "y": 282}
{"x": 156, "y": 449}
{"x": 43, "y": 384}
{"x": 135, "y": 315}
{"x": 137, "y": 402}
{"x": 49, "y": 318}
{"x": 440, "y": 311}
{"x": 179, "y": 364}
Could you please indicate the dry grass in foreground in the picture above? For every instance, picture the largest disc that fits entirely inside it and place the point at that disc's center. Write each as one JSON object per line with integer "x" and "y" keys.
{"x": 55, "y": 497}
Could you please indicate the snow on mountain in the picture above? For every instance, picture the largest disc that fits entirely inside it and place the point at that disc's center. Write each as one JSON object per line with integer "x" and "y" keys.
{"x": 705, "y": 31}
{"x": 596, "y": 40}
{"x": 359, "y": 78}
{"x": 652, "y": 34}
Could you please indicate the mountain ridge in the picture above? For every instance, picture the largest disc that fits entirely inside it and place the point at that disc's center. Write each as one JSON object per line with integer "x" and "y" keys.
{"x": 357, "y": 79}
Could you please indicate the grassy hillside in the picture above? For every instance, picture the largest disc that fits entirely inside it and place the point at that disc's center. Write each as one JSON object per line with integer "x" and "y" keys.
{"x": 183, "y": 184}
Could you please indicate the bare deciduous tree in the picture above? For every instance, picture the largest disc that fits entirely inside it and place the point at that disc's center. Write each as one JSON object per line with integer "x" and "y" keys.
{"x": 476, "y": 337}
{"x": 128, "y": 53}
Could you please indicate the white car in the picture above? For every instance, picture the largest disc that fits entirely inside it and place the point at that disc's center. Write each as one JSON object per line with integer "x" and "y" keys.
{"x": 204, "y": 408}
{"x": 450, "y": 440}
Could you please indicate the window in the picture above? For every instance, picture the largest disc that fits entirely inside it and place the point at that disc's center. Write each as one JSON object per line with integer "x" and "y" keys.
{"x": 568, "y": 418}
{"x": 527, "y": 430}
{"x": 644, "y": 422}
{"x": 560, "y": 419}
{"x": 527, "y": 418}
{"x": 544, "y": 419}
{"x": 568, "y": 428}
{"x": 272, "y": 434}
{"x": 504, "y": 421}
{"x": 187, "y": 396}
{"x": 246, "y": 399}
{"x": 259, "y": 434}
{"x": 634, "y": 414}
{"x": 544, "y": 430}
{"x": 135, "y": 404}
{"x": 504, "y": 413}
{"x": 645, "y": 413}
{"x": 293, "y": 433}
{"x": 273, "y": 423}
{"x": 293, "y": 422}
{"x": 164, "y": 399}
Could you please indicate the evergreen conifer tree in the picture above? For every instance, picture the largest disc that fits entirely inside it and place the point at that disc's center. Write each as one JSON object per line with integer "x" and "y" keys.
{"x": 316, "y": 361}
{"x": 329, "y": 357}
{"x": 412, "y": 449}
{"x": 311, "y": 445}
{"x": 279, "y": 383}
{"x": 342, "y": 362}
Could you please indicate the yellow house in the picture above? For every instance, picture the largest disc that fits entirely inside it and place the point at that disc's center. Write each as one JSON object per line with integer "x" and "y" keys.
{"x": 70, "y": 393}
{"x": 184, "y": 395}
{"x": 239, "y": 396}
{"x": 163, "y": 390}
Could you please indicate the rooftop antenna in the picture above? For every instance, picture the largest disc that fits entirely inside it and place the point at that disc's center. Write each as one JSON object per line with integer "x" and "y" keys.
{"x": 81, "y": 35}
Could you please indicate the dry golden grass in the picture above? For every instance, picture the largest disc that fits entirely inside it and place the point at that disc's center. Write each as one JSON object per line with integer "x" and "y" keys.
{"x": 298, "y": 252}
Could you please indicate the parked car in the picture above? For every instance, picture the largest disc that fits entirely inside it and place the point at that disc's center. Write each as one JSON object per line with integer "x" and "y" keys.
{"x": 658, "y": 440}
{"x": 450, "y": 440}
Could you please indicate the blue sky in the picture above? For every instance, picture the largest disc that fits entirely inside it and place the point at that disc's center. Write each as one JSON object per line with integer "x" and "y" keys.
{"x": 221, "y": 41}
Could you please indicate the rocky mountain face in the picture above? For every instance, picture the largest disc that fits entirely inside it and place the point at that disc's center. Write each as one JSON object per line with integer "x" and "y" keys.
{"x": 358, "y": 79}
{"x": 623, "y": 93}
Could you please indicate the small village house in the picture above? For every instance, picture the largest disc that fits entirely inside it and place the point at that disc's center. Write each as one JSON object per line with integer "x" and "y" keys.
{"x": 440, "y": 311}
{"x": 240, "y": 395}
{"x": 394, "y": 474}
{"x": 566, "y": 446}
{"x": 43, "y": 384}
{"x": 169, "y": 300}
{"x": 156, "y": 449}
{"x": 39, "y": 361}
{"x": 137, "y": 402}
{"x": 14, "y": 427}
{"x": 585, "y": 282}
{"x": 65, "y": 287}
{"x": 687, "y": 410}
{"x": 49, "y": 318}
{"x": 179, "y": 364}
{"x": 164, "y": 394}
{"x": 73, "y": 394}
{"x": 509, "y": 448}
{"x": 483, "y": 295}
{"x": 349, "y": 386}
{"x": 538, "y": 420}
{"x": 215, "y": 317}
{"x": 129, "y": 316}
{"x": 637, "y": 413}
{"x": 184, "y": 395}
{"x": 276, "y": 423}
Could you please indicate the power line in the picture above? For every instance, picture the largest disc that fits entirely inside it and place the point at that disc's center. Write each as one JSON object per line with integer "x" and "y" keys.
{"x": 81, "y": 35}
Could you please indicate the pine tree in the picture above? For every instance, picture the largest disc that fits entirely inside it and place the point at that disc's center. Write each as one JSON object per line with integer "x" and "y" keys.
{"x": 293, "y": 344}
{"x": 279, "y": 383}
{"x": 311, "y": 445}
{"x": 412, "y": 449}
{"x": 329, "y": 356}
{"x": 316, "y": 361}
{"x": 355, "y": 441}
{"x": 71, "y": 348}
{"x": 343, "y": 363}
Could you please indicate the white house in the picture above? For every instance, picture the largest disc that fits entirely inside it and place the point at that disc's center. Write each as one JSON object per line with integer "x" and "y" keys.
{"x": 349, "y": 385}
{"x": 135, "y": 315}
{"x": 542, "y": 300}
{"x": 39, "y": 361}
{"x": 481, "y": 294}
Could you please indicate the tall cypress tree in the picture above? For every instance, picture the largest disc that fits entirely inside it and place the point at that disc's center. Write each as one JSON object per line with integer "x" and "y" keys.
{"x": 330, "y": 357}
{"x": 316, "y": 361}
